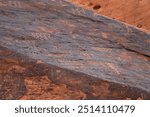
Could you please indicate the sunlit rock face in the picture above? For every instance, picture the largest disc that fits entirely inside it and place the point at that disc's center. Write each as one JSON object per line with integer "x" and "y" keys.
{"x": 134, "y": 12}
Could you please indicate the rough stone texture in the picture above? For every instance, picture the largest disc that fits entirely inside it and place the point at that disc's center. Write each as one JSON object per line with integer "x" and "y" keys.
{"x": 50, "y": 49}
{"x": 134, "y": 12}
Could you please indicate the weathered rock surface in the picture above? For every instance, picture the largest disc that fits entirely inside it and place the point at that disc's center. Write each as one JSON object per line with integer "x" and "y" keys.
{"x": 134, "y": 12}
{"x": 50, "y": 49}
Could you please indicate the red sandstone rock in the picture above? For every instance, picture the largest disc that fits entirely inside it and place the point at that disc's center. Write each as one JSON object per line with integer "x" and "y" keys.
{"x": 134, "y": 12}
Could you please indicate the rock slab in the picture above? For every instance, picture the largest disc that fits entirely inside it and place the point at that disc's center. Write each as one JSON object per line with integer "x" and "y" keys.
{"x": 51, "y": 49}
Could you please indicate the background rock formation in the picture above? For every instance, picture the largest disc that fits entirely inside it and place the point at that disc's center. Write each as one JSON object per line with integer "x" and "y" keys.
{"x": 134, "y": 12}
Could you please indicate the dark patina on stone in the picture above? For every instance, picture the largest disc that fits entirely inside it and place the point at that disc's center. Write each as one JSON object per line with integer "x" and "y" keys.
{"x": 50, "y": 49}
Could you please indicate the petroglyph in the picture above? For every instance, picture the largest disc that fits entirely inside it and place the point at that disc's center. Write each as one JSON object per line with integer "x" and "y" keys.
{"x": 102, "y": 49}
{"x": 105, "y": 35}
{"x": 16, "y": 4}
{"x": 51, "y": 52}
{"x": 113, "y": 67}
{"x": 87, "y": 55}
{"x": 42, "y": 36}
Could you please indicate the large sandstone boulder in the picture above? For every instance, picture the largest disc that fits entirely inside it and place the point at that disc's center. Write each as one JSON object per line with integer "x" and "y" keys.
{"x": 51, "y": 49}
